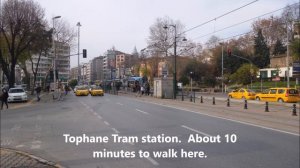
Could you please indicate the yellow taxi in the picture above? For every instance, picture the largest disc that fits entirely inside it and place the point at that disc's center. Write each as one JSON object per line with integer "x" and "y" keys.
{"x": 96, "y": 91}
{"x": 242, "y": 94}
{"x": 289, "y": 95}
{"x": 82, "y": 91}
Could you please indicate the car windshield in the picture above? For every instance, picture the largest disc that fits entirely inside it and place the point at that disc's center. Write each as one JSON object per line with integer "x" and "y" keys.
{"x": 16, "y": 91}
{"x": 96, "y": 88}
{"x": 249, "y": 90}
{"x": 82, "y": 88}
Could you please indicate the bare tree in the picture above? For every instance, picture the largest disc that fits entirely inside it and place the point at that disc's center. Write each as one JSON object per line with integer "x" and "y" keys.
{"x": 162, "y": 39}
{"x": 20, "y": 20}
{"x": 38, "y": 50}
{"x": 64, "y": 33}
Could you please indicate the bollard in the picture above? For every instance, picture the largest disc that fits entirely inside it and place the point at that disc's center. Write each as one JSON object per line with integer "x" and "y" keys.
{"x": 228, "y": 102}
{"x": 214, "y": 102}
{"x": 191, "y": 98}
{"x": 294, "y": 110}
{"x": 201, "y": 99}
{"x": 194, "y": 97}
{"x": 267, "y": 107}
{"x": 182, "y": 98}
{"x": 245, "y": 105}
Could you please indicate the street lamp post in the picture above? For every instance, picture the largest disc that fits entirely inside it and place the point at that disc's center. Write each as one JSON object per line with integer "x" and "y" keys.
{"x": 54, "y": 51}
{"x": 287, "y": 56}
{"x": 174, "y": 72}
{"x": 222, "y": 68}
{"x": 78, "y": 77}
{"x": 191, "y": 76}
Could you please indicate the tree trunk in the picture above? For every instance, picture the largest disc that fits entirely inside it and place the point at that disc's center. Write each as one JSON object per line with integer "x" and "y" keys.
{"x": 11, "y": 79}
{"x": 33, "y": 85}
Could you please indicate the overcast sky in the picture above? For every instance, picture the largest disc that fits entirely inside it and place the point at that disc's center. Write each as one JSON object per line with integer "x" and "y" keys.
{"x": 125, "y": 23}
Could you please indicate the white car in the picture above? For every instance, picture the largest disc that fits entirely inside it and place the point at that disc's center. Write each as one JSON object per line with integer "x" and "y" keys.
{"x": 17, "y": 94}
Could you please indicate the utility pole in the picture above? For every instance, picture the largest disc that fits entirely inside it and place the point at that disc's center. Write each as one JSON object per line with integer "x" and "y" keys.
{"x": 78, "y": 77}
{"x": 222, "y": 68}
{"x": 287, "y": 56}
{"x": 54, "y": 52}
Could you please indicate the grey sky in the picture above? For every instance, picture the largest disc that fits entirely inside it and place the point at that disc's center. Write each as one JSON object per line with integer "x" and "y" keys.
{"x": 125, "y": 23}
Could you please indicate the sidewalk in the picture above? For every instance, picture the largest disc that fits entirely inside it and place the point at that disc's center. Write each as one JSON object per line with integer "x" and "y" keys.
{"x": 279, "y": 117}
{"x": 10, "y": 158}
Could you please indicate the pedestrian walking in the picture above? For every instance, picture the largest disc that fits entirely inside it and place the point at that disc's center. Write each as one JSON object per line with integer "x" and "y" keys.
{"x": 142, "y": 90}
{"x": 138, "y": 89}
{"x": 147, "y": 89}
{"x": 38, "y": 90}
{"x": 4, "y": 98}
{"x": 61, "y": 90}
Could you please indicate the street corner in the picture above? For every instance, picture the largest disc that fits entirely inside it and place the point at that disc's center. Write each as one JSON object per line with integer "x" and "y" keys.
{"x": 10, "y": 158}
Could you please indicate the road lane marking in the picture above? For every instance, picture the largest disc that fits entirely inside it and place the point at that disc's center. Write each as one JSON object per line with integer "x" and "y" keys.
{"x": 120, "y": 104}
{"x": 99, "y": 117}
{"x": 6, "y": 142}
{"x": 36, "y": 145}
{"x": 223, "y": 118}
{"x": 16, "y": 127}
{"x": 20, "y": 146}
{"x": 194, "y": 130}
{"x": 141, "y": 111}
{"x": 115, "y": 130}
{"x": 105, "y": 122}
{"x": 152, "y": 161}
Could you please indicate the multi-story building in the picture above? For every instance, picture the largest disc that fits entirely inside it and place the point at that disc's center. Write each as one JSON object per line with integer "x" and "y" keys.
{"x": 45, "y": 64}
{"x": 86, "y": 72}
{"x": 124, "y": 63}
{"x": 97, "y": 69}
{"x": 63, "y": 61}
{"x": 109, "y": 64}
{"x": 74, "y": 73}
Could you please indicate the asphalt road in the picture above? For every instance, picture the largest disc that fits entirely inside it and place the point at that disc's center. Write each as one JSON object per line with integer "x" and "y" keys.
{"x": 39, "y": 130}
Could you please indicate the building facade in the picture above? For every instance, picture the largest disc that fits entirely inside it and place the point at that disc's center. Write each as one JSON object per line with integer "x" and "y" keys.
{"x": 97, "y": 69}
{"x": 109, "y": 64}
{"x": 45, "y": 64}
{"x": 63, "y": 61}
{"x": 74, "y": 73}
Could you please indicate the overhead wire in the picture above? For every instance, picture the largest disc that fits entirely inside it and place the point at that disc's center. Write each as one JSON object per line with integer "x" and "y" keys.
{"x": 244, "y": 21}
{"x": 214, "y": 19}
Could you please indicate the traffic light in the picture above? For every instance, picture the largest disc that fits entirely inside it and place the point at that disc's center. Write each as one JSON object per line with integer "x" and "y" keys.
{"x": 84, "y": 53}
{"x": 229, "y": 52}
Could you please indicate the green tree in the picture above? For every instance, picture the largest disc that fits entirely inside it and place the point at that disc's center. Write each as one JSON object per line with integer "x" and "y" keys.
{"x": 295, "y": 49}
{"x": 244, "y": 74}
{"x": 279, "y": 48}
{"x": 73, "y": 83}
{"x": 261, "y": 51}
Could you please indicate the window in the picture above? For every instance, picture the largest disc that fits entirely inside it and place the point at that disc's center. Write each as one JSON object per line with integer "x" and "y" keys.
{"x": 273, "y": 91}
{"x": 281, "y": 91}
{"x": 266, "y": 91}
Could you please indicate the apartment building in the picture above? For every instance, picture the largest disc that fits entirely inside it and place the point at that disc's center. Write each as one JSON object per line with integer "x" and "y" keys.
{"x": 97, "y": 69}
{"x": 74, "y": 73}
{"x": 109, "y": 64}
{"x": 45, "y": 64}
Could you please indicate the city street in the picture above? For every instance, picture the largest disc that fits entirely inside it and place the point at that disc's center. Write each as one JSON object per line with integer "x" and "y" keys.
{"x": 39, "y": 129}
